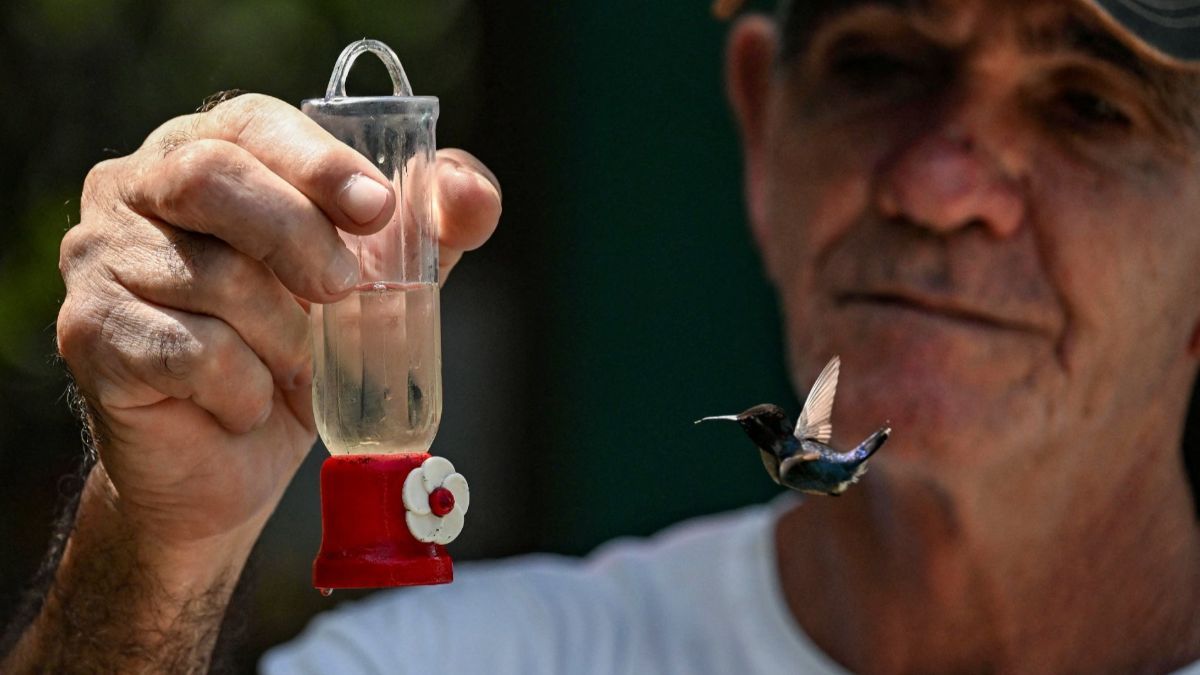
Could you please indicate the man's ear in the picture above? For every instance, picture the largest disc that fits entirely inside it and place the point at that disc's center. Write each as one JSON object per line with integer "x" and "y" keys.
{"x": 1194, "y": 345}
{"x": 749, "y": 62}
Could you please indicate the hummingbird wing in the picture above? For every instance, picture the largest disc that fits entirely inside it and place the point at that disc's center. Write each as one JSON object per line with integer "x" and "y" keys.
{"x": 814, "y": 423}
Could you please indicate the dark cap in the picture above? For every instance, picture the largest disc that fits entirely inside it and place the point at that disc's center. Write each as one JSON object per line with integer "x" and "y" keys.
{"x": 1171, "y": 27}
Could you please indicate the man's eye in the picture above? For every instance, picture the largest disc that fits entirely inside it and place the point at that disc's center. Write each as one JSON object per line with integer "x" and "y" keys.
{"x": 874, "y": 69}
{"x": 1084, "y": 107}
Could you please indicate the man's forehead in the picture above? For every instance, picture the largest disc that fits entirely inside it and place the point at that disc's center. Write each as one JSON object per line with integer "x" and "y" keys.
{"x": 1081, "y": 27}
{"x": 1046, "y": 18}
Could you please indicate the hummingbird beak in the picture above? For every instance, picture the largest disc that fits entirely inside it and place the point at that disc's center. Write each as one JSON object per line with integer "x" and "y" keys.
{"x": 730, "y": 418}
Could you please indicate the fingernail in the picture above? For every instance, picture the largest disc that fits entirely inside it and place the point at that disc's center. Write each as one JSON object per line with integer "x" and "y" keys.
{"x": 342, "y": 273}
{"x": 494, "y": 183}
{"x": 362, "y": 200}
{"x": 483, "y": 180}
{"x": 481, "y": 173}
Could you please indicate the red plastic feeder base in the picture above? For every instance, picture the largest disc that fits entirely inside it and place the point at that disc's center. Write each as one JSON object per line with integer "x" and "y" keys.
{"x": 365, "y": 541}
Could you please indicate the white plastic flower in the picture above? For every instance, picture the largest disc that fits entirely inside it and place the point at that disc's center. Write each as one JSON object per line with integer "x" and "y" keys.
{"x": 435, "y": 500}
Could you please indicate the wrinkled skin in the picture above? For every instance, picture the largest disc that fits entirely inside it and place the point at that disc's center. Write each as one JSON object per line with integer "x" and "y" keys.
{"x": 984, "y": 224}
{"x": 185, "y": 320}
{"x": 185, "y": 326}
{"x": 998, "y": 234}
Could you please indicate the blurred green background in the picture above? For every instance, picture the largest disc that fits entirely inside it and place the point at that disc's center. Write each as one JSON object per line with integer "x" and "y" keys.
{"x": 619, "y": 301}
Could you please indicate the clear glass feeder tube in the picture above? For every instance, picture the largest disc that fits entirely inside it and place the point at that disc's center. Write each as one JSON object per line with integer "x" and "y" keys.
{"x": 377, "y": 385}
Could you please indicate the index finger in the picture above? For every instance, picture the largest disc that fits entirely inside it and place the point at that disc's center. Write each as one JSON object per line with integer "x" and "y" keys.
{"x": 346, "y": 186}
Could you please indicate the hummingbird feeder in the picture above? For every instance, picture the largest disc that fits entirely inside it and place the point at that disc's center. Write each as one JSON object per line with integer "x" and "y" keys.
{"x": 387, "y": 506}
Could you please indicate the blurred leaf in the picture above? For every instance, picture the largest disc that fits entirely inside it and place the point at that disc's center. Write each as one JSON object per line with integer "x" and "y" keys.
{"x": 78, "y": 23}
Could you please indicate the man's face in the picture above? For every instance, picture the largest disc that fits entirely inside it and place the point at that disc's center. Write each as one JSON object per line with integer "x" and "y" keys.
{"x": 991, "y": 210}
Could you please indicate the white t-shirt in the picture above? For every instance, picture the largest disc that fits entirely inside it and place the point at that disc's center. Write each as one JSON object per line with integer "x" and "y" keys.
{"x": 701, "y": 598}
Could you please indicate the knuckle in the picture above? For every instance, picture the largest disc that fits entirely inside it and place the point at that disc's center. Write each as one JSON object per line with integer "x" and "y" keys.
{"x": 74, "y": 333}
{"x": 244, "y": 405}
{"x": 217, "y": 98}
{"x": 107, "y": 198}
{"x": 89, "y": 251}
{"x": 239, "y": 115}
{"x": 171, "y": 350}
{"x": 185, "y": 256}
{"x": 173, "y": 139}
{"x": 172, "y": 135}
{"x": 76, "y": 245}
{"x": 106, "y": 189}
{"x": 194, "y": 178}
{"x": 223, "y": 355}
{"x": 260, "y": 389}
{"x": 245, "y": 104}
{"x": 100, "y": 183}
{"x": 196, "y": 166}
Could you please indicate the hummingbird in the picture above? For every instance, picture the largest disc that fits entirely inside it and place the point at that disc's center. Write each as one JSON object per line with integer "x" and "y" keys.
{"x": 799, "y": 457}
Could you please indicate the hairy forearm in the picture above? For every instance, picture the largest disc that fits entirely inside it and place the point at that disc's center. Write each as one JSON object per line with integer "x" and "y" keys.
{"x": 120, "y": 601}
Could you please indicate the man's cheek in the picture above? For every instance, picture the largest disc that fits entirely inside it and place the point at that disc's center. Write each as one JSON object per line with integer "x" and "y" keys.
{"x": 1104, "y": 251}
{"x": 812, "y": 212}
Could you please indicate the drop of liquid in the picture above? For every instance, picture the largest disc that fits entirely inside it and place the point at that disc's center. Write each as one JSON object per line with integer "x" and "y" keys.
{"x": 326, "y": 591}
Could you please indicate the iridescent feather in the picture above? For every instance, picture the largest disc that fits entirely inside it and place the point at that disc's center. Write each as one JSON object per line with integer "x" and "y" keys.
{"x": 815, "y": 419}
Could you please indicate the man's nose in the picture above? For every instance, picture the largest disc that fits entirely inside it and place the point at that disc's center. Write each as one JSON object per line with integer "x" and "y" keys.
{"x": 944, "y": 180}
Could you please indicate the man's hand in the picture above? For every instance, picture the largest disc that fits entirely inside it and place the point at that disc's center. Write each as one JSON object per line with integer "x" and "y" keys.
{"x": 187, "y": 281}
{"x": 185, "y": 324}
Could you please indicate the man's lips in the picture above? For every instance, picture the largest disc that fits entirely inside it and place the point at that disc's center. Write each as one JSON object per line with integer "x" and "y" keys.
{"x": 946, "y": 308}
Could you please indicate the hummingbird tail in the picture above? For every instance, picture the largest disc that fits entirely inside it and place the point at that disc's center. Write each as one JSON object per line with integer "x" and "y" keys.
{"x": 873, "y": 442}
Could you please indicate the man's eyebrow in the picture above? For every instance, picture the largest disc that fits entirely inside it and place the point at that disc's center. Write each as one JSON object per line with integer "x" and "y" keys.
{"x": 1076, "y": 34}
{"x": 1172, "y": 95}
{"x": 801, "y": 19}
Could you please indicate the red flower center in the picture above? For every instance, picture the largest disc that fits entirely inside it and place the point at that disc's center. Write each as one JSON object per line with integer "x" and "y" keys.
{"x": 441, "y": 501}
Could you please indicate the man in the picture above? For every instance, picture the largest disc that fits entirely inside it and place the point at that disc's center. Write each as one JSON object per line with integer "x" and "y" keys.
{"x": 986, "y": 207}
